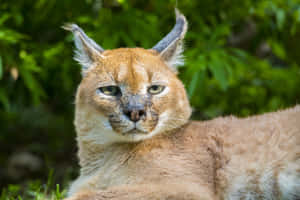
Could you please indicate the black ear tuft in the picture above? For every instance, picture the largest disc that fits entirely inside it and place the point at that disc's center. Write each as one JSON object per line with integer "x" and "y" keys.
{"x": 171, "y": 47}
{"x": 87, "y": 50}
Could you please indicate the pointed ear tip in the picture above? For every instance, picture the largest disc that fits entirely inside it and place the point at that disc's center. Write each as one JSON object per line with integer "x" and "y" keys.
{"x": 69, "y": 27}
{"x": 177, "y": 12}
{"x": 179, "y": 15}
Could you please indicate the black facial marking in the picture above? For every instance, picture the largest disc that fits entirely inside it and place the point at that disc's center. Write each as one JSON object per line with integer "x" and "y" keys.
{"x": 134, "y": 107}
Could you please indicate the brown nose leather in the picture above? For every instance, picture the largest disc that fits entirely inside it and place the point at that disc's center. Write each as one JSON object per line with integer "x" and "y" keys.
{"x": 134, "y": 114}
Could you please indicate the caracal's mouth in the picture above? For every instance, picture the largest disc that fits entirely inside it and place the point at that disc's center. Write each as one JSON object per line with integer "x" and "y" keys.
{"x": 125, "y": 127}
{"x": 134, "y": 131}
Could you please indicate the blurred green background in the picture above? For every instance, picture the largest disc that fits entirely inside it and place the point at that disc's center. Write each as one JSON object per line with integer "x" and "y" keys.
{"x": 242, "y": 58}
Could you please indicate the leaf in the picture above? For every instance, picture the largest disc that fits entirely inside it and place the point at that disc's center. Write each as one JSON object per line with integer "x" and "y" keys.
{"x": 278, "y": 49}
{"x": 193, "y": 84}
{"x": 1, "y": 68}
{"x": 280, "y": 18}
{"x": 29, "y": 62}
{"x": 32, "y": 85}
{"x": 121, "y": 1}
{"x": 4, "y": 99}
{"x": 220, "y": 74}
{"x": 4, "y": 17}
{"x": 218, "y": 70}
{"x": 10, "y": 36}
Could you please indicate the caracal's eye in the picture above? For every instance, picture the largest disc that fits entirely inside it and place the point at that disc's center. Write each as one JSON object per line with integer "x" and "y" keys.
{"x": 111, "y": 90}
{"x": 156, "y": 89}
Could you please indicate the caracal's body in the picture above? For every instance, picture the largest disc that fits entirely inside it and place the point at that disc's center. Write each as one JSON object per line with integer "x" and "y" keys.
{"x": 136, "y": 142}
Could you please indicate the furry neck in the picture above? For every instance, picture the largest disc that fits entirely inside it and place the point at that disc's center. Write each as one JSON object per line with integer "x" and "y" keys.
{"x": 94, "y": 157}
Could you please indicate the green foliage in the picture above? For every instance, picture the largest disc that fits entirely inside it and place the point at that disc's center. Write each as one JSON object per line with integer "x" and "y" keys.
{"x": 34, "y": 190}
{"x": 223, "y": 77}
{"x": 242, "y": 58}
{"x": 36, "y": 63}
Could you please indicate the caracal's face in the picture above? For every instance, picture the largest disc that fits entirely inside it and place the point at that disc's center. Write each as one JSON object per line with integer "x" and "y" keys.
{"x": 134, "y": 94}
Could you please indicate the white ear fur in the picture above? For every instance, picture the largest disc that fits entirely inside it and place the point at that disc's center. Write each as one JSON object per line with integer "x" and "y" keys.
{"x": 174, "y": 56}
{"x": 87, "y": 50}
{"x": 171, "y": 46}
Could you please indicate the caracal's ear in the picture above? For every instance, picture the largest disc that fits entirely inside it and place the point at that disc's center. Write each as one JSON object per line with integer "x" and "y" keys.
{"x": 171, "y": 47}
{"x": 87, "y": 50}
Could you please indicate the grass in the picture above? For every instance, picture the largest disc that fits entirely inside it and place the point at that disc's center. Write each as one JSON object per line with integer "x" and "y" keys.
{"x": 14, "y": 192}
{"x": 34, "y": 190}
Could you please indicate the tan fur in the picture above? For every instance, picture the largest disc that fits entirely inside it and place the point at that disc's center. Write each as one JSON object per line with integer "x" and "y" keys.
{"x": 168, "y": 156}
{"x": 210, "y": 155}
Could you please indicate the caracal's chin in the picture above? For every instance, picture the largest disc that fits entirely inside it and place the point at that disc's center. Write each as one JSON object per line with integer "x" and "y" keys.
{"x": 133, "y": 132}
{"x": 127, "y": 128}
{"x": 146, "y": 128}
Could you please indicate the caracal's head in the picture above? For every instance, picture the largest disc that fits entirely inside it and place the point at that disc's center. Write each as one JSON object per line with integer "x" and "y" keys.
{"x": 129, "y": 94}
